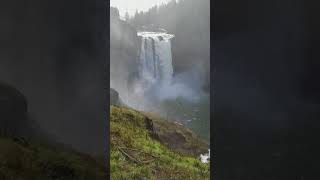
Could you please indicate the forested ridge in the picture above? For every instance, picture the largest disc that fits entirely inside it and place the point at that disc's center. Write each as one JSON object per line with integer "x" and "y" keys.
{"x": 189, "y": 21}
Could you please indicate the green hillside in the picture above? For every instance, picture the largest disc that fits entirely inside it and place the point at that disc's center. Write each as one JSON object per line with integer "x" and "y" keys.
{"x": 138, "y": 150}
{"x": 20, "y": 160}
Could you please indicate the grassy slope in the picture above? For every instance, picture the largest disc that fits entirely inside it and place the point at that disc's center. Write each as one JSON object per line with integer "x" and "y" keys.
{"x": 149, "y": 159}
{"x": 178, "y": 137}
{"x": 22, "y": 161}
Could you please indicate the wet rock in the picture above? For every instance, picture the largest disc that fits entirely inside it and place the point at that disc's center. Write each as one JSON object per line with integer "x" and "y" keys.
{"x": 115, "y": 98}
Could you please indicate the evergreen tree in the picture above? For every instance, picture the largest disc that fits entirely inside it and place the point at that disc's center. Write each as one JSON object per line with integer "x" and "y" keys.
{"x": 127, "y": 16}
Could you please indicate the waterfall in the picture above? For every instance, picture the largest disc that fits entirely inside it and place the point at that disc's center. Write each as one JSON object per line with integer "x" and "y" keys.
{"x": 155, "y": 74}
{"x": 155, "y": 58}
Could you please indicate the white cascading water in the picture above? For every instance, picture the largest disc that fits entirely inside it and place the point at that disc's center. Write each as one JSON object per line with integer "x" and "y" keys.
{"x": 155, "y": 69}
{"x": 155, "y": 58}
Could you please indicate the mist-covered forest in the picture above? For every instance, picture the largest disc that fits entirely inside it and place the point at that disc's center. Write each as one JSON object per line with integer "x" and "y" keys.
{"x": 189, "y": 20}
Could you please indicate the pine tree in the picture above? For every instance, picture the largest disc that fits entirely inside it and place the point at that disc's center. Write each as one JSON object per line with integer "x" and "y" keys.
{"x": 127, "y": 16}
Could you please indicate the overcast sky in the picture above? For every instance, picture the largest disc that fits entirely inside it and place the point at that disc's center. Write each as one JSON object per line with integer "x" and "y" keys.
{"x": 132, "y": 5}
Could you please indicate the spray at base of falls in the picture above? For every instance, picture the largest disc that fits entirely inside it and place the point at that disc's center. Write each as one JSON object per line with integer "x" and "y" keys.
{"x": 155, "y": 82}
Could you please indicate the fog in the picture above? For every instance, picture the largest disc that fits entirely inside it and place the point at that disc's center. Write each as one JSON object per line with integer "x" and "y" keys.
{"x": 132, "y": 6}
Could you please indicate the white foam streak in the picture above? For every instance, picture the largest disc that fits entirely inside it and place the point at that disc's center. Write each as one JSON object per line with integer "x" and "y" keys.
{"x": 205, "y": 158}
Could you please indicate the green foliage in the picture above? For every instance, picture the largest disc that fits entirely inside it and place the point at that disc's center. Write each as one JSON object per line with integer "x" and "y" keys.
{"x": 37, "y": 162}
{"x": 155, "y": 161}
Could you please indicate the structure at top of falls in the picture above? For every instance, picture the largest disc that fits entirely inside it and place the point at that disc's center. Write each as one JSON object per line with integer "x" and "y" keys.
{"x": 155, "y": 59}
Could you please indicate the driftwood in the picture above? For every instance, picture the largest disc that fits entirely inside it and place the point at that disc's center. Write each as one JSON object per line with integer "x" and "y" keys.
{"x": 129, "y": 157}
{"x": 140, "y": 151}
{"x": 135, "y": 160}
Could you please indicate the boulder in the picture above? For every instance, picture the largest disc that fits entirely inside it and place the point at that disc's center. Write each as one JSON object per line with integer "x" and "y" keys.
{"x": 115, "y": 98}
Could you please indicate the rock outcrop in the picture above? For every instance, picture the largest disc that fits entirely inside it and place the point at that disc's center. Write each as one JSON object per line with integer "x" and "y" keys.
{"x": 115, "y": 99}
{"x": 175, "y": 136}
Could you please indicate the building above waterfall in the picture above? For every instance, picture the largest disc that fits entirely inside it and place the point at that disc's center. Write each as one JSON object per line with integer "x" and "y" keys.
{"x": 152, "y": 34}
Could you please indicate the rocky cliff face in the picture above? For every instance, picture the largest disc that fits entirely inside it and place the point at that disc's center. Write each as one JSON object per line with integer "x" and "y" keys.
{"x": 115, "y": 99}
{"x": 124, "y": 47}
